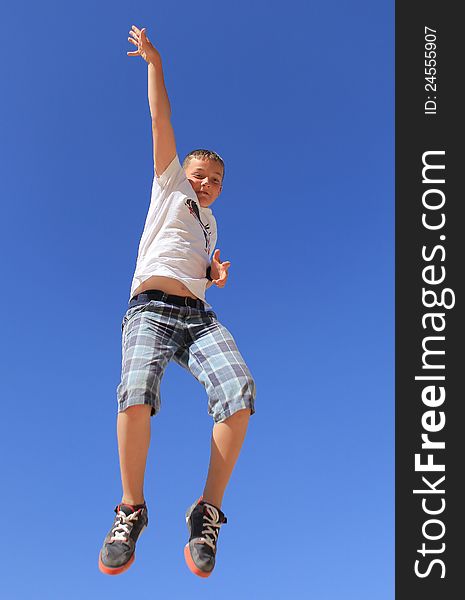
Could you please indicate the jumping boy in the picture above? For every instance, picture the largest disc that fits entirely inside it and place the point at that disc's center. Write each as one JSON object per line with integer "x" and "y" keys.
{"x": 168, "y": 318}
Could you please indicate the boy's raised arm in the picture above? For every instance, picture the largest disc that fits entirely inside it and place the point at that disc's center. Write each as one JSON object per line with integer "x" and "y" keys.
{"x": 164, "y": 144}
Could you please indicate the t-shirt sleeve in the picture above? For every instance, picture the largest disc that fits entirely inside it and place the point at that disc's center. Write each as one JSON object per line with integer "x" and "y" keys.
{"x": 165, "y": 184}
{"x": 171, "y": 174}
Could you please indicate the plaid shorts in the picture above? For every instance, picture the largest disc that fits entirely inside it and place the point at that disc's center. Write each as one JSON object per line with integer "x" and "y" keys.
{"x": 156, "y": 331}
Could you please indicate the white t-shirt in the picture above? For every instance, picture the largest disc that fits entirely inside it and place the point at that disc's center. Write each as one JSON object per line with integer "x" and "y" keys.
{"x": 179, "y": 235}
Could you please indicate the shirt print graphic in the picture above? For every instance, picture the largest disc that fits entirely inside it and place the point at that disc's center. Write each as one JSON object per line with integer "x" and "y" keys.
{"x": 194, "y": 210}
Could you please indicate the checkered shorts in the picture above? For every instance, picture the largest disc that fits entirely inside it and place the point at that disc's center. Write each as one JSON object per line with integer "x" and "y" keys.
{"x": 156, "y": 332}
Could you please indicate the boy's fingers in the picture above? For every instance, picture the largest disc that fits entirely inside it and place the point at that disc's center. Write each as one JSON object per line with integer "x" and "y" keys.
{"x": 133, "y": 53}
{"x": 132, "y": 34}
{"x": 136, "y": 29}
{"x": 133, "y": 41}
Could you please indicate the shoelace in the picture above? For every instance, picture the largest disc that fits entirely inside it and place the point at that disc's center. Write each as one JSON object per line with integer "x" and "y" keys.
{"x": 211, "y": 525}
{"x": 123, "y": 529}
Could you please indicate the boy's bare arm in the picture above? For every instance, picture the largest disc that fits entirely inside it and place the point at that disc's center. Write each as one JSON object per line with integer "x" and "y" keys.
{"x": 164, "y": 143}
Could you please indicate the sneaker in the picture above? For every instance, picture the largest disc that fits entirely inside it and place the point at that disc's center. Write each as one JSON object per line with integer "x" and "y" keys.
{"x": 117, "y": 553}
{"x": 203, "y": 521}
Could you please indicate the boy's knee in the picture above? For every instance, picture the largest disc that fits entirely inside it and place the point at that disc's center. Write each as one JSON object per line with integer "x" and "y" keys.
{"x": 238, "y": 417}
{"x": 242, "y": 387}
{"x": 243, "y": 414}
{"x": 236, "y": 401}
{"x": 137, "y": 411}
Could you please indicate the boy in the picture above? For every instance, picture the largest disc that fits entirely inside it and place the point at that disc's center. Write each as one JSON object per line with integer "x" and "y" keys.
{"x": 168, "y": 318}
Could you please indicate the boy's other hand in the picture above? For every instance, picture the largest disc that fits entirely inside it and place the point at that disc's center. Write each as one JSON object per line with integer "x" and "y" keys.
{"x": 144, "y": 47}
{"x": 219, "y": 270}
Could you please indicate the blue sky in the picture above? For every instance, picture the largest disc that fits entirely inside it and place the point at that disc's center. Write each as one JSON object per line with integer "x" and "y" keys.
{"x": 298, "y": 99}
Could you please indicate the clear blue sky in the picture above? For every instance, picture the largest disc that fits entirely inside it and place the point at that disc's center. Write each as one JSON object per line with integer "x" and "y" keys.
{"x": 298, "y": 98}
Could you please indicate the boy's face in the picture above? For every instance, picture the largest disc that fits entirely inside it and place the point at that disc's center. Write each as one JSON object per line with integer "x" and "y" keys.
{"x": 206, "y": 178}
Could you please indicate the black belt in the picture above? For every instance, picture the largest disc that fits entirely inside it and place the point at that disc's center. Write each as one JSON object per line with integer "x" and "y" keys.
{"x": 148, "y": 295}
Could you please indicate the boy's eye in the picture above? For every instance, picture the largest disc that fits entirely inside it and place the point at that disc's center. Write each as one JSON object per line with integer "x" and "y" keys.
{"x": 201, "y": 176}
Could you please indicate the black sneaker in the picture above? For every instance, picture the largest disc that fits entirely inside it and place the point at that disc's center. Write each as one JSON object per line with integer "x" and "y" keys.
{"x": 117, "y": 553}
{"x": 204, "y": 521}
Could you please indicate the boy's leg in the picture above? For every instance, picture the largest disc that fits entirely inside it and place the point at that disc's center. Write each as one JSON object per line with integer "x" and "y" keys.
{"x": 205, "y": 517}
{"x": 213, "y": 358}
{"x": 226, "y": 443}
{"x": 150, "y": 338}
{"x": 133, "y": 429}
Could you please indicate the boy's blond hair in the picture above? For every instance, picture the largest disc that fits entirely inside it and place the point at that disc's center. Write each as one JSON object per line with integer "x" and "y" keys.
{"x": 203, "y": 154}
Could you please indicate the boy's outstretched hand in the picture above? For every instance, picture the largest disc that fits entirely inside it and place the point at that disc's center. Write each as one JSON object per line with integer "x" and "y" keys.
{"x": 144, "y": 46}
{"x": 219, "y": 270}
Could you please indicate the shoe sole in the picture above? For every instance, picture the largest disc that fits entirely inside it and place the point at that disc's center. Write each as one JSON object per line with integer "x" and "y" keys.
{"x": 191, "y": 564}
{"x": 114, "y": 570}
